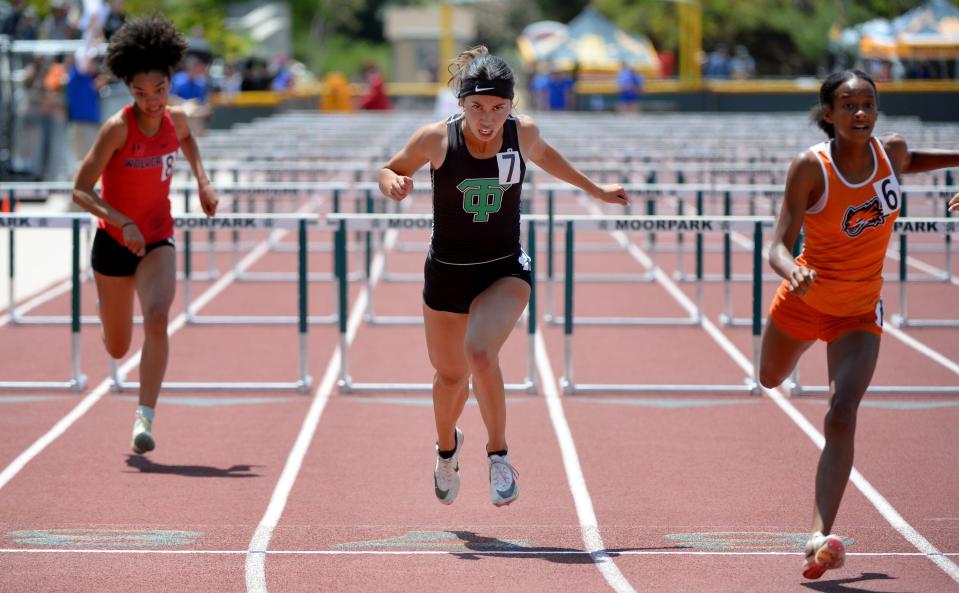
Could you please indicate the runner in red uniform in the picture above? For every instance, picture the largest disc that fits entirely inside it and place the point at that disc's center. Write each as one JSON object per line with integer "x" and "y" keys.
{"x": 133, "y": 157}
{"x": 846, "y": 193}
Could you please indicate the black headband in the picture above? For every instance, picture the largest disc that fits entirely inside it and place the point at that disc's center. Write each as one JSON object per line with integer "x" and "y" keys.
{"x": 477, "y": 86}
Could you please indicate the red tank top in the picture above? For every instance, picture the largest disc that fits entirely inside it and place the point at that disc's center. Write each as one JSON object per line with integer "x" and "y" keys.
{"x": 847, "y": 232}
{"x": 136, "y": 181}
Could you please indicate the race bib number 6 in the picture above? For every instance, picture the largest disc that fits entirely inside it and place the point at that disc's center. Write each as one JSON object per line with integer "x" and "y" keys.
{"x": 889, "y": 194}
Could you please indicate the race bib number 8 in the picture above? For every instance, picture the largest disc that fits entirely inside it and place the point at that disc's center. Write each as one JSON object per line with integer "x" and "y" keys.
{"x": 166, "y": 170}
{"x": 509, "y": 166}
{"x": 889, "y": 194}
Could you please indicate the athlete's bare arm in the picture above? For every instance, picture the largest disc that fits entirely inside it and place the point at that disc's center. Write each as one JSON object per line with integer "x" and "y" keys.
{"x": 905, "y": 160}
{"x": 804, "y": 187}
{"x": 110, "y": 139}
{"x": 208, "y": 196}
{"x": 426, "y": 145}
{"x": 536, "y": 149}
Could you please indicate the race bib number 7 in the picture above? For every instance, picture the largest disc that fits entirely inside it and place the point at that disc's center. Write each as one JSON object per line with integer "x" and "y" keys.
{"x": 509, "y": 166}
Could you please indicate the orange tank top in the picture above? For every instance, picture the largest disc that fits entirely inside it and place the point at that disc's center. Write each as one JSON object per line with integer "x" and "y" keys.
{"x": 136, "y": 181}
{"x": 847, "y": 232}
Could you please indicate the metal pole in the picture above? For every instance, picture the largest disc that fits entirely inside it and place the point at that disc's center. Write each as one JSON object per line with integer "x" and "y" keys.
{"x": 531, "y": 378}
{"x": 341, "y": 271}
{"x": 550, "y": 246}
{"x": 568, "y": 386}
{"x": 304, "y": 383}
{"x": 903, "y": 271}
{"x": 11, "y": 203}
{"x": 757, "y": 301}
{"x": 727, "y": 264}
{"x": 78, "y": 380}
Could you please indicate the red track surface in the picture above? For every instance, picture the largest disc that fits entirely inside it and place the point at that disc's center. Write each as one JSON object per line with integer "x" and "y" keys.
{"x": 691, "y": 492}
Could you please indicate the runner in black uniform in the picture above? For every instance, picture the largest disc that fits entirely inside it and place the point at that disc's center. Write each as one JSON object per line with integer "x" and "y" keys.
{"x": 477, "y": 276}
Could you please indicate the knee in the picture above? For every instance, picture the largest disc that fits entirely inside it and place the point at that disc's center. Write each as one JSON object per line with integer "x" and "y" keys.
{"x": 770, "y": 378}
{"x": 840, "y": 419}
{"x": 155, "y": 321}
{"x": 116, "y": 348}
{"x": 451, "y": 380}
{"x": 480, "y": 357}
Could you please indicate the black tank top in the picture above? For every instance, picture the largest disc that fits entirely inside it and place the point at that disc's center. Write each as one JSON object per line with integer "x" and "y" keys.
{"x": 476, "y": 202}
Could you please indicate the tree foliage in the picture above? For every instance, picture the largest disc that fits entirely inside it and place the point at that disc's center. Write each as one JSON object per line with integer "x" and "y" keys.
{"x": 784, "y": 36}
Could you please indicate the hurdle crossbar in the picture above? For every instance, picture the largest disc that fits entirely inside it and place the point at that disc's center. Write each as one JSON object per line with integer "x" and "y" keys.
{"x": 697, "y": 224}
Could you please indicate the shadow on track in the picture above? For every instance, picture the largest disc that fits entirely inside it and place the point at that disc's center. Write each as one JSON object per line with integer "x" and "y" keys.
{"x": 840, "y": 585}
{"x": 144, "y": 465}
{"x": 490, "y": 547}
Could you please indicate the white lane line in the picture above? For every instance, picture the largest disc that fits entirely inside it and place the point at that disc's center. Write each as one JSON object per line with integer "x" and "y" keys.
{"x": 588, "y": 524}
{"x": 255, "y": 567}
{"x": 98, "y": 392}
{"x": 921, "y": 348}
{"x": 46, "y": 296}
{"x": 875, "y": 498}
{"x": 450, "y": 552}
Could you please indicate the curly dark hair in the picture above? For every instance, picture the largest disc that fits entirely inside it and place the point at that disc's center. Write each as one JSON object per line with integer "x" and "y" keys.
{"x": 150, "y": 44}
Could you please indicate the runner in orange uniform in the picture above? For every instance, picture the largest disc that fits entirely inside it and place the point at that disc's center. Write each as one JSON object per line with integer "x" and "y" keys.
{"x": 846, "y": 193}
{"x": 133, "y": 252}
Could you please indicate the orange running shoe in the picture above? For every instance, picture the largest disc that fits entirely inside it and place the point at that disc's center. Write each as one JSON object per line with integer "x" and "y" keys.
{"x": 823, "y": 552}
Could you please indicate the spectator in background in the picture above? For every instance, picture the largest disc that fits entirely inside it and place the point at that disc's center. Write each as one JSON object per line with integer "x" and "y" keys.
{"x": 84, "y": 82}
{"x": 113, "y": 18}
{"x": 667, "y": 63}
{"x": 539, "y": 87}
{"x": 190, "y": 84}
{"x": 717, "y": 63}
{"x": 20, "y": 22}
{"x": 375, "y": 97}
{"x": 559, "y": 91}
{"x": 630, "y": 83}
{"x": 283, "y": 79}
{"x": 742, "y": 65}
{"x": 336, "y": 93}
{"x": 255, "y": 76}
{"x": 57, "y": 25}
{"x": 54, "y": 114}
{"x": 232, "y": 79}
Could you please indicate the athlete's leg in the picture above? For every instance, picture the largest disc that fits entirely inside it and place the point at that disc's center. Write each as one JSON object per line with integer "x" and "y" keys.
{"x": 115, "y": 307}
{"x": 852, "y": 360}
{"x": 779, "y": 354}
{"x": 445, "y": 332}
{"x": 493, "y": 315}
{"x": 156, "y": 286}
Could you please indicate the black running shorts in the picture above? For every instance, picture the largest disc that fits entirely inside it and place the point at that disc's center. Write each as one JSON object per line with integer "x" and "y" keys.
{"x": 112, "y": 259}
{"x": 452, "y": 287}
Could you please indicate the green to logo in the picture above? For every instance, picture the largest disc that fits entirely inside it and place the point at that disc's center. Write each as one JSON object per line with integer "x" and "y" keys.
{"x": 482, "y": 197}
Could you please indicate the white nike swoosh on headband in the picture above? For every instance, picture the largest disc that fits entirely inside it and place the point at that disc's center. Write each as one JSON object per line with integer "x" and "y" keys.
{"x": 479, "y": 90}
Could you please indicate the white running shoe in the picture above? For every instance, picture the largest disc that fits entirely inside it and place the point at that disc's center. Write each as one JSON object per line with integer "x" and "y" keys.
{"x": 142, "y": 438}
{"x": 503, "y": 488}
{"x": 446, "y": 477}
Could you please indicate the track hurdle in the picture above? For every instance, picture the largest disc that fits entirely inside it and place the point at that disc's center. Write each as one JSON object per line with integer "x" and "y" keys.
{"x": 277, "y": 223}
{"x": 902, "y": 318}
{"x": 343, "y": 223}
{"x": 699, "y": 224}
{"x": 75, "y": 222}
